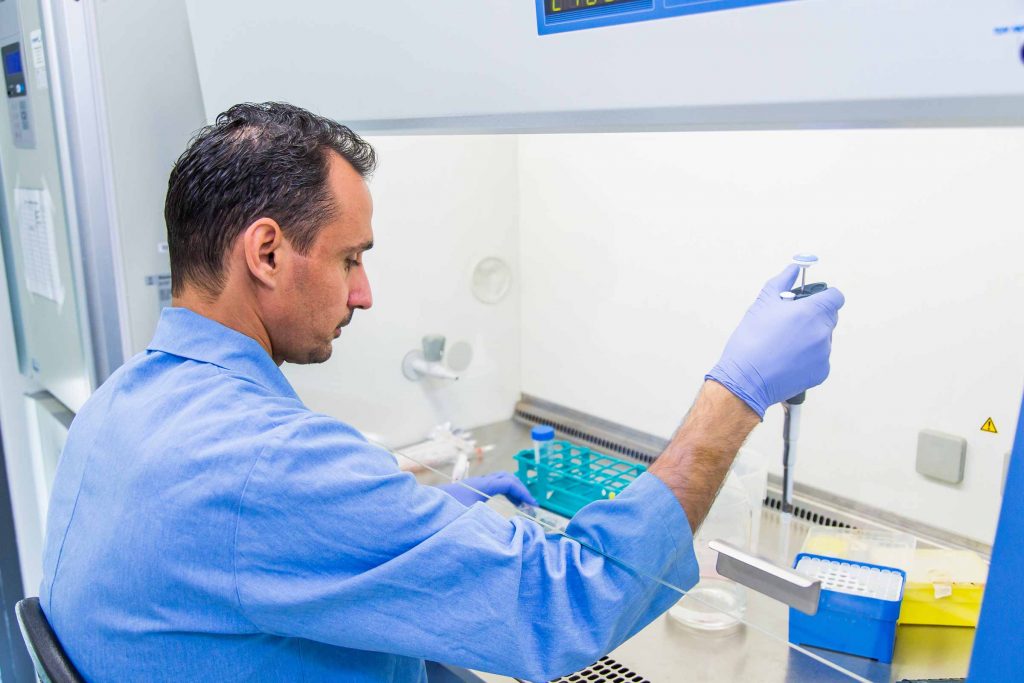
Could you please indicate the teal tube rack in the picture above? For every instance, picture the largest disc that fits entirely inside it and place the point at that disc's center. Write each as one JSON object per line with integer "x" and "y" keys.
{"x": 572, "y": 476}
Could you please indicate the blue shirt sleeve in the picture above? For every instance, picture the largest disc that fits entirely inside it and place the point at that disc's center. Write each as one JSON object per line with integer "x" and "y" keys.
{"x": 335, "y": 544}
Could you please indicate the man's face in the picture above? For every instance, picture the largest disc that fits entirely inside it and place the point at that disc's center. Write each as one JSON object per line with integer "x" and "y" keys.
{"x": 320, "y": 290}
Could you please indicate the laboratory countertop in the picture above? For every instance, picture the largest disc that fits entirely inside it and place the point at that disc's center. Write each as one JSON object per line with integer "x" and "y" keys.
{"x": 756, "y": 650}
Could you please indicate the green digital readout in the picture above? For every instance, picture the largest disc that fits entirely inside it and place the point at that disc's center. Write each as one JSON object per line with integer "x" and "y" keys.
{"x": 556, "y": 7}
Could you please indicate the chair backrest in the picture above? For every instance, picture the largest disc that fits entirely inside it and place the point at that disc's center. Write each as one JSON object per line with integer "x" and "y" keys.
{"x": 51, "y": 662}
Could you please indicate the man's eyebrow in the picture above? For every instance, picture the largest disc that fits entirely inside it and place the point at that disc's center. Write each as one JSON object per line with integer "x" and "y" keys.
{"x": 365, "y": 246}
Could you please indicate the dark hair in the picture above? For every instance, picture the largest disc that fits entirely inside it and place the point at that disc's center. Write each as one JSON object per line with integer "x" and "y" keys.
{"x": 257, "y": 160}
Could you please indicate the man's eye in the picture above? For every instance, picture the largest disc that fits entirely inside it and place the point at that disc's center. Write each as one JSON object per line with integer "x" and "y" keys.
{"x": 351, "y": 263}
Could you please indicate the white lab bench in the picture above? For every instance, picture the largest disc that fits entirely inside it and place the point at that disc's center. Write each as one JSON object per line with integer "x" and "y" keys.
{"x": 754, "y": 651}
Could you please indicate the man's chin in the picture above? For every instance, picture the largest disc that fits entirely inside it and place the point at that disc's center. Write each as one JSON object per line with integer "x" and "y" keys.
{"x": 319, "y": 355}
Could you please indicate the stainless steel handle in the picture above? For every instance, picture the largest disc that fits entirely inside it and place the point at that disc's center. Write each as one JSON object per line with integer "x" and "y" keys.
{"x": 784, "y": 585}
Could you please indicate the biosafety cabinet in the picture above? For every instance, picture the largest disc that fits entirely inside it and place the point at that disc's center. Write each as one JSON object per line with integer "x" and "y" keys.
{"x": 663, "y": 155}
{"x": 632, "y": 238}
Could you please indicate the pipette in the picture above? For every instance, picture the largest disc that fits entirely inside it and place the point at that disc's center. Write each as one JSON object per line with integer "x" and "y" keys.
{"x": 790, "y": 435}
{"x": 792, "y": 406}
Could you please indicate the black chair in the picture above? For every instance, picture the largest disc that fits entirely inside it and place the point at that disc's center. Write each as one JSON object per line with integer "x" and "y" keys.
{"x": 51, "y": 662}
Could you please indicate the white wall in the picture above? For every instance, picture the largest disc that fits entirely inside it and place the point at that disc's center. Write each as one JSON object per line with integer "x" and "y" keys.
{"x": 641, "y": 252}
{"x": 440, "y": 205}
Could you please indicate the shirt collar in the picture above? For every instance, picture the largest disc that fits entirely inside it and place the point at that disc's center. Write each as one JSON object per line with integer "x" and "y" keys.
{"x": 185, "y": 333}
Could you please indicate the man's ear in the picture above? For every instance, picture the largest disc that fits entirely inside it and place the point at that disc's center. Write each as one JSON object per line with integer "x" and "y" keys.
{"x": 261, "y": 244}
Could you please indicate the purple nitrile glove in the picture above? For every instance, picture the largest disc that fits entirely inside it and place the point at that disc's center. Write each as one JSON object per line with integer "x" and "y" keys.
{"x": 498, "y": 483}
{"x": 781, "y": 347}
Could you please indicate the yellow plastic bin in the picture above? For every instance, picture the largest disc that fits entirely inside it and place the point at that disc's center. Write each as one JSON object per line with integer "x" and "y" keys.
{"x": 872, "y": 546}
{"x": 944, "y": 588}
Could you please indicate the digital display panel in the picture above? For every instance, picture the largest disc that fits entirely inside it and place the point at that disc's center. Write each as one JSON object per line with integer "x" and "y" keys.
{"x": 14, "y": 76}
{"x": 554, "y": 8}
{"x": 12, "y": 63}
{"x": 558, "y": 16}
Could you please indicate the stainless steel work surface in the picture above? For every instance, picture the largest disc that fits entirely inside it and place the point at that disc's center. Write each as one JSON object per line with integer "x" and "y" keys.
{"x": 756, "y": 650}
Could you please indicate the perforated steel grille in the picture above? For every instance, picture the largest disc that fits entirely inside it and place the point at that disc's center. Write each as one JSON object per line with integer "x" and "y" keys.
{"x": 569, "y": 430}
{"x": 775, "y": 503}
{"x": 604, "y": 670}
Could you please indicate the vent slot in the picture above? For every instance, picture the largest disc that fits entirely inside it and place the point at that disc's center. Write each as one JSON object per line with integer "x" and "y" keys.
{"x": 775, "y": 503}
{"x": 604, "y": 670}
{"x": 569, "y": 430}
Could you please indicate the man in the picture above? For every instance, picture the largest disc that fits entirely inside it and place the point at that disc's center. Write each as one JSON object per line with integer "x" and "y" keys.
{"x": 205, "y": 525}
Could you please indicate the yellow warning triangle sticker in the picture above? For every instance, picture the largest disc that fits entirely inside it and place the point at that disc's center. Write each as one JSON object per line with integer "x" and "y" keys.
{"x": 989, "y": 426}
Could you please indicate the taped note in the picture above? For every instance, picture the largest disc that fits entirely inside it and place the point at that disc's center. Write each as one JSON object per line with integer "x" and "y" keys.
{"x": 35, "y": 40}
{"x": 38, "y": 243}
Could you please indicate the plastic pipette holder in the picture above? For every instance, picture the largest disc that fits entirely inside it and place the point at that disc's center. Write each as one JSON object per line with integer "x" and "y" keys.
{"x": 858, "y": 609}
{"x": 570, "y": 476}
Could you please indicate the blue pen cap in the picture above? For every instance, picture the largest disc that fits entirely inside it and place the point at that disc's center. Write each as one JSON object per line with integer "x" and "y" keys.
{"x": 542, "y": 433}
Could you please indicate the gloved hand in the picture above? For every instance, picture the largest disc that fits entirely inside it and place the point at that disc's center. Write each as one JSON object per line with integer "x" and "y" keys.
{"x": 503, "y": 483}
{"x": 780, "y": 347}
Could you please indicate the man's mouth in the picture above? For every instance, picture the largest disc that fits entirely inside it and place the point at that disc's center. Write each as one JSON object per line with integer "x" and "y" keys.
{"x": 343, "y": 323}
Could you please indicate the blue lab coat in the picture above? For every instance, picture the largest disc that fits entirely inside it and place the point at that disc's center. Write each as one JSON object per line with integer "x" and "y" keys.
{"x": 206, "y": 525}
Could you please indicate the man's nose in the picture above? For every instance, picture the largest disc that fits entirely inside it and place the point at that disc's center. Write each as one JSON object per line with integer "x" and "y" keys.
{"x": 359, "y": 294}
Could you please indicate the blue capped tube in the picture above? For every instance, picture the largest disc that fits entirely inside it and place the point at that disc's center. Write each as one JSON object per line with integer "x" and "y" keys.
{"x": 542, "y": 436}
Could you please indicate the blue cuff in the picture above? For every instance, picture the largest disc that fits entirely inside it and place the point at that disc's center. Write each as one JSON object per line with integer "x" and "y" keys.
{"x": 651, "y": 532}
{"x": 683, "y": 572}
